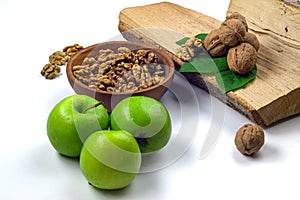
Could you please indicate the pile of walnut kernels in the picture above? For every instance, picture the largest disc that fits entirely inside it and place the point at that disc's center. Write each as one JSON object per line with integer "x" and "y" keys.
{"x": 120, "y": 71}
{"x": 231, "y": 39}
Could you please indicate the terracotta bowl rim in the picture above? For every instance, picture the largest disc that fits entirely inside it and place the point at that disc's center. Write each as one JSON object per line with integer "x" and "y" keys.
{"x": 163, "y": 54}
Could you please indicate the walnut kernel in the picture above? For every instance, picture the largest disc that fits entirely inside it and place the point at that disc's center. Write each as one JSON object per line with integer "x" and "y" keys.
{"x": 189, "y": 49}
{"x": 123, "y": 50}
{"x": 242, "y": 58}
{"x": 58, "y": 58}
{"x": 249, "y": 139}
{"x": 213, "y": 44}
{"x": 232, "y": 32}
{"x": 72, "y": 50}
{"x": 50, "y": 71}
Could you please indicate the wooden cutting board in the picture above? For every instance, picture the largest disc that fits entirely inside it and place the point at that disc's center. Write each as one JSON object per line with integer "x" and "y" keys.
{"x": 275, "y": 93}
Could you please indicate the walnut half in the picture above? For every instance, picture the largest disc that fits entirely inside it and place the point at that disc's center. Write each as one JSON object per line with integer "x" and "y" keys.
{"x": 50, "y": 71}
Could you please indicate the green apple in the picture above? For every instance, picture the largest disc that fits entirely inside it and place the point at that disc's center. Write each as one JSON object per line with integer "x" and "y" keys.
{"x": 72, "y": 120}
{"x": 110, "y": 159}
{"x": 146, "y": 118}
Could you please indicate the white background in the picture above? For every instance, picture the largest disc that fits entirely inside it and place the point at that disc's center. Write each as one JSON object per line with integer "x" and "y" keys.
{"x": 30, "y": 168}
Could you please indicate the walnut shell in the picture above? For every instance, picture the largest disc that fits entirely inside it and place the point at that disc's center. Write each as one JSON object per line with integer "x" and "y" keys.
{"x": 232, "y": 32}
{"x": 213, "y": 44}
{"x": 252, "y": 39}
{"x": 240, "y": 17}
{"x": 242, "y": 58}
{"x": 249, "y": 139}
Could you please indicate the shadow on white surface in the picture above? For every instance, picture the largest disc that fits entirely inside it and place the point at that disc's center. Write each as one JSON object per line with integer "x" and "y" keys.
{"x": 146, "y": 185}
{"x": 267, "y": 154}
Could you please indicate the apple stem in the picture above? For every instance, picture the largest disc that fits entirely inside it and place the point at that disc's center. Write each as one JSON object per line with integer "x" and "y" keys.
{"x": 93, "y": 106}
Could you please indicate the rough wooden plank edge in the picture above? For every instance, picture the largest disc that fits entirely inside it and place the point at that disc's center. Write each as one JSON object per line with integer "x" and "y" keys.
{"x": 294, "y": 3}
{"x": 230, "y": 98}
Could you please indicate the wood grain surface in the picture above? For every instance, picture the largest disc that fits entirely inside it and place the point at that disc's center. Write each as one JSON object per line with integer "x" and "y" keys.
{"x": 275, "y": 93}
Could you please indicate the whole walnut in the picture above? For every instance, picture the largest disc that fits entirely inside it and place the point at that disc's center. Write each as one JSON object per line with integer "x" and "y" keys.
{"x": 242, "y": 58}
{"x": 240, "y": 17}
{"x": 213, "y": 44}
{"x": 232, "y": 32}
{"x": 252, "y": 39}
{"x": 249, "y": 139}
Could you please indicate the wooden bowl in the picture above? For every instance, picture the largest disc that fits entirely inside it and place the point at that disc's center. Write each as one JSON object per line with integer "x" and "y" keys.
{"x": 110, "y": 99}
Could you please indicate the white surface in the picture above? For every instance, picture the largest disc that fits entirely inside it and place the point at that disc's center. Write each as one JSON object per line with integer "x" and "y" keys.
{"x": 30, "y": 168}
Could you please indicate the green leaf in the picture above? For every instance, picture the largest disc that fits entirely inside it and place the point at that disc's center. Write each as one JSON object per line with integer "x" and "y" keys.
{"x": 205, "y": 64}
{"x": 182, "y": 41}
{"x": 201, "y": 36}
{"x": 229, "y": 81}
